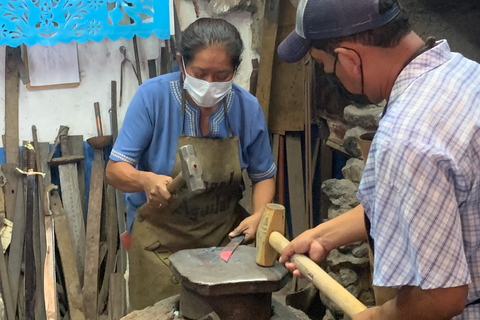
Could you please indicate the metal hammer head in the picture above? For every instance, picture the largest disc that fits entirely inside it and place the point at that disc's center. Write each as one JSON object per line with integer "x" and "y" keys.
{"x": 273, "y": 219}
{"x": 191, "y": 169}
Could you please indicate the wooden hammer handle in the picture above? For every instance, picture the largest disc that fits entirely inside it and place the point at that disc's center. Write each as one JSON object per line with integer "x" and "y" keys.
{"x": 326, "y": 284}
{"x": 176, "y": 183}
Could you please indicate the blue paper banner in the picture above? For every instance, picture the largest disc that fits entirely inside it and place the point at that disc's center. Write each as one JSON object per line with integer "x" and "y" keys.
{"x": 47, "y": 22}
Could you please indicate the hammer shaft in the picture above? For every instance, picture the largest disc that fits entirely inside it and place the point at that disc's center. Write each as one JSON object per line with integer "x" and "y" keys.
{"x": 176, "y": 183}
{"x": 147, "y": 210}
{"x": 331, "y": 288}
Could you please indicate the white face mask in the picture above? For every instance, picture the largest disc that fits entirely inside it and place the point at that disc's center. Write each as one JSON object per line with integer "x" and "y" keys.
{"x": 204, "y": 93}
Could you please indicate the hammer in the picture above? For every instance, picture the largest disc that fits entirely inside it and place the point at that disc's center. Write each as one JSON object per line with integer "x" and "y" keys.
{"x": 191, "y": 174}
{"x": 270, "y": 242}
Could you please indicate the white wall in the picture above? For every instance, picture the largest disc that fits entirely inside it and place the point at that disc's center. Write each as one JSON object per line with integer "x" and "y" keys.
{"x": 99, "y": 64}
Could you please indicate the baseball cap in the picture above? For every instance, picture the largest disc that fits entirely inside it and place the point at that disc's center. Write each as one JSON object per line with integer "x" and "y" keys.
{"x": 325, "y": 19}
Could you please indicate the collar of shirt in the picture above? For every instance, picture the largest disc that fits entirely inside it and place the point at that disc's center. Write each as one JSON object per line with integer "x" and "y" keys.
{"x": 425, "y": 62}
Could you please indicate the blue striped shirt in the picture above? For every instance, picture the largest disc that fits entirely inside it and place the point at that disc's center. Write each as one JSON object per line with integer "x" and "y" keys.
{"x": 421, "y": 184}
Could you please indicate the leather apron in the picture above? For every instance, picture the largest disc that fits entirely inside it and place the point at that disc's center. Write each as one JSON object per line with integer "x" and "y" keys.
{"x": 190, "y": 221}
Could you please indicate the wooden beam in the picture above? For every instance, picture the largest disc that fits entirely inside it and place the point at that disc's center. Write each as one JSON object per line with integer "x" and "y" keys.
{"x": 90, "y": 287}
{"x": 12, "y": 153}
{"x": 267, "y": 54}
{"x": 67, "y": 256}
{"x": 296, "y": 184}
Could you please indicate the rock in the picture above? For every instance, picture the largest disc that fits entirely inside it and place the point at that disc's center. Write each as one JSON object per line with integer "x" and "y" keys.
{"x": 220, "y": 7}
{"x": 329, "y": 316}
{"x": 360, "y": 251}
{"x": 342, "y": 193}
{"x": 350, "y": 141}
{"x": 367, "y": 298}
{"x": 347, "y": 277}
{"x": 335, "y": 258}
{"x": 334, "y": 211}
{"x": 353, "y": 170}
{"x": 365, "y": 116}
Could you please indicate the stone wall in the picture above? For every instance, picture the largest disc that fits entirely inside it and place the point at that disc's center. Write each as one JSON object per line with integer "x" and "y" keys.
{"x": 348, "y": 265}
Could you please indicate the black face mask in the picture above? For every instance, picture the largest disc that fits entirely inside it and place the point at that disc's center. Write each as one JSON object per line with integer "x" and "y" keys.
{"x": 334, "y": 82}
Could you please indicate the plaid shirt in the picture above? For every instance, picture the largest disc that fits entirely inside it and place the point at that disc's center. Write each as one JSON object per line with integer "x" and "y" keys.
{"x": 421, "y": 184}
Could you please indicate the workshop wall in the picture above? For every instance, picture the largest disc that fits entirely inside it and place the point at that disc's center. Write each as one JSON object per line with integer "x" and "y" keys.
{"x": 99, "y": 64}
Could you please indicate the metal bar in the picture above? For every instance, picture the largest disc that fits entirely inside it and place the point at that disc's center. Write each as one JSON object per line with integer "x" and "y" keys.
{"x": 30, "y": 267}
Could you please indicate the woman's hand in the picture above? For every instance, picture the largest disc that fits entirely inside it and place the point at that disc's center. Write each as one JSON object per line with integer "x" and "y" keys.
{"x": 155, "y": 187}
{"x": 248, "y": 227}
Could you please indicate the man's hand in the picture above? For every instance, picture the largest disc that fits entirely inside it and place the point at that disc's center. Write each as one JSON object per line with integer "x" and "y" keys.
{"x": 369, "y": 314}
{"x": 248, "y": 227}
{"x": 306, "y": 243}
{"x": 155, "y": 187}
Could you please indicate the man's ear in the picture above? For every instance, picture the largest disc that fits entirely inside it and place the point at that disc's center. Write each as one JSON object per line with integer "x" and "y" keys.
{"x": 350, "y": 60}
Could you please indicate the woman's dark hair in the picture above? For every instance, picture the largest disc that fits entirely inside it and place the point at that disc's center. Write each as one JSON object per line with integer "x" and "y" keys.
{"x": 386, "y": 36}
{"x": 206, "y": 32}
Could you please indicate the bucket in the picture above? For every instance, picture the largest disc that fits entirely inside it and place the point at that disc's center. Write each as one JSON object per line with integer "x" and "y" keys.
{"x": 365, "y": 141}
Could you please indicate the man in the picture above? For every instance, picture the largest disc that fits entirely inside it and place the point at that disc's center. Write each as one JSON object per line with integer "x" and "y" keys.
{"x": 420, "y": 191}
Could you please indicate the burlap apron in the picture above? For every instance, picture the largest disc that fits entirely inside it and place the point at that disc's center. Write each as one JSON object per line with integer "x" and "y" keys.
{"x": 190, "y": 221}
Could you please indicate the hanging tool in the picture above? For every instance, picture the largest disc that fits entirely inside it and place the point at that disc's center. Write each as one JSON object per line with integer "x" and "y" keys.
{"x": 123, "y": 50}
{"x": 227, "y": 252}
{"x": 137, "y": 60}
{"x": 270, "y": 241}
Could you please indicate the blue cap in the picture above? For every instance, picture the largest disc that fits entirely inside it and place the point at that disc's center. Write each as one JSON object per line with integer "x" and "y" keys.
{"x": 326, "y": 19}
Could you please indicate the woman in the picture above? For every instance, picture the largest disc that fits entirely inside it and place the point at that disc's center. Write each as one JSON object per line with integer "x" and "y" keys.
{"x": 200, "y": 106}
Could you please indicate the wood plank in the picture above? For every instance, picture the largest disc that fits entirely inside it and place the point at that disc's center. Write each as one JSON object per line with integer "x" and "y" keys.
{"x": 5, "y": 285}
{"x": 326, "y": 171}
{"x": 31, "y": 258}
{"x": 49, "y": 278}
{"x": 116, "y": 302}
{"x": 121, "y": 209}
{"x": 111, "y": 227}
{"x": 296, "y": 184}
{"x": 286, "y": 109}
{"x": 267, "y": 54}
{"x": 122, "y": 227}
{"x": 90, "y": 288}
{"x": 12, "y": 153}
{"x": 9, "y": 190}
{"x": 75, "y": 147}
{"x": 275, "y": 143}
{"x": 72, "y": 204}
{"x": 67, "y": 257}
{"x": 308, "y": 76}
{"x": 17, "y": 245}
